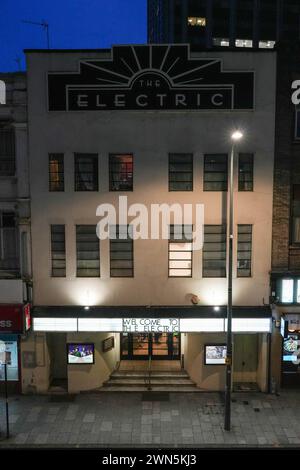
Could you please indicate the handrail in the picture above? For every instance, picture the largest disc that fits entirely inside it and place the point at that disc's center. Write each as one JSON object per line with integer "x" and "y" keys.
{"x": 149, "y": 373}
{"x": 182, "y": 361}
{"x": 117, "y": 366}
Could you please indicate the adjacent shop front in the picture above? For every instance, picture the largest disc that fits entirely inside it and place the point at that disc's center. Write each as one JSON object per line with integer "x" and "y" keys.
{"x": 15, "y": 321}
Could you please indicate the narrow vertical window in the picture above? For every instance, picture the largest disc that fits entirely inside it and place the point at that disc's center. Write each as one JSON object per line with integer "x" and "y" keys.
{"x": 7, "y": 152}
{"x": 287, "y": 291}
{"x": 9, "y": 252}
{"x": 296, "y": 214}
{"x": 88, "y": 252}
{"x": 180, "y": 251}
{"x": 121, "y": 172}
{"x": 86, "y": 172}
{"x": 244, "y": 250}
{"x": 214, "y": 251}
{"x": 245, "y": 172}
{"x": 56, "y": 172}
{"x": 297, "y": 122}
{"x": 121, "y": 251}
{"x": 58, "y": 251}
{"x": 215, "y": 172}
{"x": 180, "y": 172}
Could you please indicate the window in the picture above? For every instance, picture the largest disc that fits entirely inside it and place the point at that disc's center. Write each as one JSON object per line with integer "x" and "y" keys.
{"x": 297, "y": 122}
{"x": 197, "y": 21}
{"x": 214, "y": 251}
{"x": 244, "y": 250}
{"x": 58, "y": 251}
{"x": 86, "y": 172}
{"x": 56, "y": 172}
{"x": 121, "y": 172}
{"x": 180, "y": 251}
{"x": 215, "y": 172}
{"x": 7, "y": 152}
{"x": 243, "y": 43}
{"x": 180, "y": 172}
{"x": 87, "y": 247}
{"x": 121, "y": 252}
{"x": 245, "y": 172}
{"x": 296, "y": 214}
{"x": 9, "y": 253}
{"x": 287, "y": 291}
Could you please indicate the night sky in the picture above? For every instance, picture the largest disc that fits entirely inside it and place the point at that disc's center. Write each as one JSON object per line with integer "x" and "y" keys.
{"x": 72, "y": 24}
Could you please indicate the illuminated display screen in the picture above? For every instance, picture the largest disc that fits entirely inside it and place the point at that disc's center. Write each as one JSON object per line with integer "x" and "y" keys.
{"x": 215, "y": 354}
{"x": 291, "y": 349}
{"x": 81, "y": 353}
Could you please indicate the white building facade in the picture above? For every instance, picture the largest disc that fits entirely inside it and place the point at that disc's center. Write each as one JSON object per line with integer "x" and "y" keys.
{"x": 152, "y": 123}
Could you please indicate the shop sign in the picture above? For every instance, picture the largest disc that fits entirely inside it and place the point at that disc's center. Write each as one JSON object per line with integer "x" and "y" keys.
{"x": 151, "y": 325}
{"x": 11, "y": 319}
{"x": 151, "y": 77}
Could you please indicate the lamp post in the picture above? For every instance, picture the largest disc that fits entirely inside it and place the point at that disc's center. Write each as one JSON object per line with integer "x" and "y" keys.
{"x": 235, "y": 137}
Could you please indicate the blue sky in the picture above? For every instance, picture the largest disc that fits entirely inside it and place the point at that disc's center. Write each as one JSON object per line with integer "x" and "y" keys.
{"x": 72, "y": 24}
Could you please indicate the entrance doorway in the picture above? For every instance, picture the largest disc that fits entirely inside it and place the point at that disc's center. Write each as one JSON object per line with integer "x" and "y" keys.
{"x": 56, "y": 343}
{"x": 245, "y": 362}
{"x": 158, "y": 346}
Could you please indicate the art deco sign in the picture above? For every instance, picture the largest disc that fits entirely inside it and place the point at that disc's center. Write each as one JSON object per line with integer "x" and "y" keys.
{"x": 153, "y": 77}
{"x": 151, "y": 325}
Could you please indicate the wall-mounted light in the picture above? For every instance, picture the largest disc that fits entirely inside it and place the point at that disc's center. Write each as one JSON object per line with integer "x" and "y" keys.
{"x": 86, "y": 308}
{"x": 216, "y": 308}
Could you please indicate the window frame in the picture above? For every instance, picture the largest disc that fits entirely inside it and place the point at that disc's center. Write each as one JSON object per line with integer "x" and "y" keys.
{"x": 95, "y": 173}
{"x": 118, "y": 240}
{"x": 9, "y": 159}
{"x": 172, "y": 172}
{"x": 61, "y": 173}
{"x": 110, "y": 172}
{"x": 241, "y": 154}
{"x": 182, "y": 241}
{"x": 244, "y": 251}
{"x": 205, "y": 172}
{"x": 297, "y": 113}
{"x": 224, "y": 234}
{"x": 52, "y": 251}
{"x": 97, "y": 276}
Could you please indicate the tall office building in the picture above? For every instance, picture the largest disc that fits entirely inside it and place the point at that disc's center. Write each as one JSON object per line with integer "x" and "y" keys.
{"x": 217, "y": 23}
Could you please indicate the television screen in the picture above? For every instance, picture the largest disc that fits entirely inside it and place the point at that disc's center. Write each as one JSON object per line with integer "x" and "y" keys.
{"x": 80, "y": 353}
{"x": 215, "y": 354}
{"x": 291, "y": 348}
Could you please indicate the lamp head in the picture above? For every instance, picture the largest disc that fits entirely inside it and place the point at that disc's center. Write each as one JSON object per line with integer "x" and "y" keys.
{"x": 237, "y": 135}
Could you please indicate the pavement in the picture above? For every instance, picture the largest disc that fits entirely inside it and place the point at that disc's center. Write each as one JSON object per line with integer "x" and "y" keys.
{"x": 126, "y": 420}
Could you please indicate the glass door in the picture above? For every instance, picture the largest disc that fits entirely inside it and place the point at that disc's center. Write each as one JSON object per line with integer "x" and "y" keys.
{"x": 159, "y": 346}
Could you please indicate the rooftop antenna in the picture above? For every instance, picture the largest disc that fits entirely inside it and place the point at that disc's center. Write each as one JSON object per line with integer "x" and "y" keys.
{"x": 45, "y": 27}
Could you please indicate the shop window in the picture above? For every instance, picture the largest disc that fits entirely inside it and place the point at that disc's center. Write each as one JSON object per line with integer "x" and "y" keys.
{"x": 121, "y": 251}
{"x": 215, "y": 172}
{"x": 86, "y": 172}
{"x": 214, "y": 251}
{"x": 298, "y": 292}
{"x": 221, "y": 42}
{"x": 245, "y": 172}
{"x": 244, "y": 250}
{"x": 243, "y": 43}
{"x": 9, "y": 355}
{"x": 7, "y": 152}
{"x": 58, "y": 251}
{"x": 296, "y": 214}
{"x": 121, "y": 172}
{"x": 297, "y": 122}
{"x": 56, "y": 172}
{"x": 9, "y": 254}
{"x": 87, "y": 249}
{"x": 197, "y": 21}
{"x": 180, "y": 172}
{"x": 180, "y": 250}
{"x": 266, "y": 44}
{"x": 287, "y": 291}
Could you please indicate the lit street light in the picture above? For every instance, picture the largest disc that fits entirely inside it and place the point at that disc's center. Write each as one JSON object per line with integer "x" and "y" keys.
{"x": 235, "y": 137}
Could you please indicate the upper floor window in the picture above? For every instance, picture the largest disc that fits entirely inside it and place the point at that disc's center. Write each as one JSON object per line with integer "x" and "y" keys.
{"x": 296, "y": 214}
{"x": 58, "y": 251}
{"x": 244, "y": 250}
{"x": 215, "y": 172}
{"x": 88, "y": 251}
{"x": 9, "y": 253}
{"x": 121, "y": 251}
{"x": 197, "y": 21}
{"x": 214, "y": 251}
{"x": 86, "y": 172}
{"x": 56, "y": 172}
{"x": 288, "y": 290}
{"x": 121, "y": 172}
{"x": 7, "y": 152}
{"x": 246, "y": 172}
{"x": 180, "y": 172}
{"x": 180, "y": 251}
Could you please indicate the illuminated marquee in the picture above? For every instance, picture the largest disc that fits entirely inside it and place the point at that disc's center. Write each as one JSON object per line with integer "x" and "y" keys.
{"x": 153, "y": 77}
{"x": 151, "y": 325}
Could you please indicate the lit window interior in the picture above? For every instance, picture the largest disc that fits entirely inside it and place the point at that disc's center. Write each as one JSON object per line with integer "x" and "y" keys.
{"x": 197, "y": 21}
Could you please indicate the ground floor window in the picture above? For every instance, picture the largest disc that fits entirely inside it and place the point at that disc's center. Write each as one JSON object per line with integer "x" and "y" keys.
{"x": 9, "y": 355}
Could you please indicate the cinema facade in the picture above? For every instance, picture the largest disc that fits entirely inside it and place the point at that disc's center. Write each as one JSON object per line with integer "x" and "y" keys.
{"x": 152, "y": 123}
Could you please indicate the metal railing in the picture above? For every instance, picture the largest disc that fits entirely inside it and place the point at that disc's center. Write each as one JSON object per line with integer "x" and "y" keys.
{"x": 182, "y": 361}
{"x": 149, "y": 374}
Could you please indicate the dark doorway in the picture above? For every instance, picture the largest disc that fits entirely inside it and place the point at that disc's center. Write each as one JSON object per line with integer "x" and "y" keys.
{"x": 158, "y": 346}
{"x": 58, "y": 360}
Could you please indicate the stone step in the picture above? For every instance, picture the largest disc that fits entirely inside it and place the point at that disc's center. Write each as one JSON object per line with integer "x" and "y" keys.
{"x": 162, "y": 382}
{"x": 154, "y": 375}
{"x": 155, "y": 388}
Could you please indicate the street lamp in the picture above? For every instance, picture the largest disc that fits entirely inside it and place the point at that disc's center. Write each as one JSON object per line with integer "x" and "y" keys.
{"x": 235, "y": 137}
